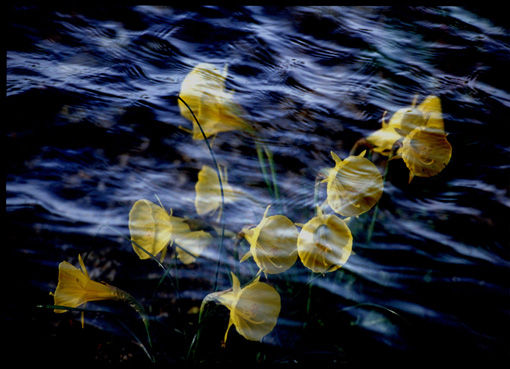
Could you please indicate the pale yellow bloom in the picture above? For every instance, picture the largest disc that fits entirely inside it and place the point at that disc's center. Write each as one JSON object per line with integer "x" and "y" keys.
{"x": 203, "y": 89}
{"x": 153, "y": 229}
{"x": 273, "y": 243}
{"x": 194, "y": 242}
{"x": 324, "y": 243}
{"x": 354, "y": 185}
{"x": 404, "y": 121}
{"x": 384, "y": 138}
{"x": 254, "y": 309}
{"x": 208, "y": 191}
{"x": 75, "y": 287}
{"x": 150, "y": 228}
{"x": 426, "y": 150}
{"x": 431, "y": 109}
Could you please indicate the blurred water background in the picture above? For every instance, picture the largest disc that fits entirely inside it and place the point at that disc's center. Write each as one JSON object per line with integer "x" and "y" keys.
{"x": 92, "y": 125}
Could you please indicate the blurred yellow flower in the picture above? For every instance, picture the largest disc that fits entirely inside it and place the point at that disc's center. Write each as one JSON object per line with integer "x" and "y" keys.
{"x": 324, "y": 243}
{"x": 191, "y": 243}
{"x": 384, "y": 138}
{"x": 75, "y": 287}
{"x": 354, "y": 185}
{"x": 152, "y": 229}
{"x": 254, "y": 309}
{"x": 203, "y": 89}
{"x": 431, "y": 109}
{"x": 208, "y": 192}
{"x": 273, "y": 243}
{"x": 426, "y": 150}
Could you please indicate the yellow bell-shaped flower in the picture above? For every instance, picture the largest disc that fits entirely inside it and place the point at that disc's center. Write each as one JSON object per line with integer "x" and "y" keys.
{"x": 150, "y": 228}
{"x": 208, "y": 192}
{"x": 384, "y": 138}
{"x": 153, "y": 229}
{"x": 426, "y": 150}
{"x": 75, "y": 287}
{"x": 203, "y": 89}
{"x": 273, "y": 243}
{"x": 324, "y": 243}
{"x": 354, "y": 185}
{"x": 402, "y": 122}
{"x": 254, "y": 309}
{"x": 431, "y": 110}
{"x": 191, "y": 243}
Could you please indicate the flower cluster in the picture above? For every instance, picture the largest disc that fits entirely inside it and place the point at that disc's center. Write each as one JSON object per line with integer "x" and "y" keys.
{"x": 323, "y": 244}
{"x": 425, "y": 148}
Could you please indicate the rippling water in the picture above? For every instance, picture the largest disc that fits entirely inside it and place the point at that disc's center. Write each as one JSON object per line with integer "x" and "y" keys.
{"x": 93, "y": 125}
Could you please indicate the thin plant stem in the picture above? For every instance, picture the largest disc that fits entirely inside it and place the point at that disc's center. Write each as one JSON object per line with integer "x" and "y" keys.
{"x": 262, "y": 164}
{"x": 217, "y": 168}
{"x": 260, "y": 146}
{"x": 160, "y": 264}
{"x": 269, "y": 155}
{"x": 376, "y": 209}
{"x": 193, "y": 348}
{"x": 122, "y": 296}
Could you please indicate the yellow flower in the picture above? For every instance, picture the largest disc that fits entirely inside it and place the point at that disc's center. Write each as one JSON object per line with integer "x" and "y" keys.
{"x": 324, "y": 243}
{"x": 273, "y": 243}
{"x": 384, "y": 138}
{"x": 203, "y": 89}
{"x": 354, "y": 185}
{"x": 431, "y": 109}
{"x": 75, "y": 287}
{"x": 403, "y": 122}
{"x": 254, "y": 309}
{"x": 425, "y": 150}
{"x": 208, "y": 192}
{"x": 152, "y": 229}
{"x": 191, "y": 243}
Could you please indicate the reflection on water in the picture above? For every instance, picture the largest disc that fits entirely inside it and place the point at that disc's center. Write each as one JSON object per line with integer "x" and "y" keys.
{"x": 94, "y": 125}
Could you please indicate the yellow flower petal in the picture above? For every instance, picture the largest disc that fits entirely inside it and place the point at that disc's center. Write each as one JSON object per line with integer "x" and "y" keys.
{"x": 203, "y": 89}
{"x": 150, "y": 228}
{"x": 254, "y": 309}
{"x": 431, "y": 109}
{"x": 383, "y": 140}
{"x": 426, "y": 152}
{"x": 324, "y": 244}
{"x": 194, "y": 243}
{"x": 75, "y": 288}
{"x": 412, "y": 119}
{"x": 208, "y": 192}
{"x": 354, "y": 186}
{"x": 273, "y": 243}
{"x": 256, "y": 312}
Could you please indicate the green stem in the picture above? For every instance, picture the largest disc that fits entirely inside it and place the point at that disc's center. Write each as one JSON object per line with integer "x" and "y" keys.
{"x": 122, "y": 296}
{"x": 126, "y": 297}
{"x": 376, "y": 209}
{"x": 138, "y": 246}
{"x": 193, "y": 348}
{"x": 262, "y": 164}
{"x": 273, "y": 190}
{"x": 269, "y": 155}
{"x": 217, "y": 168}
